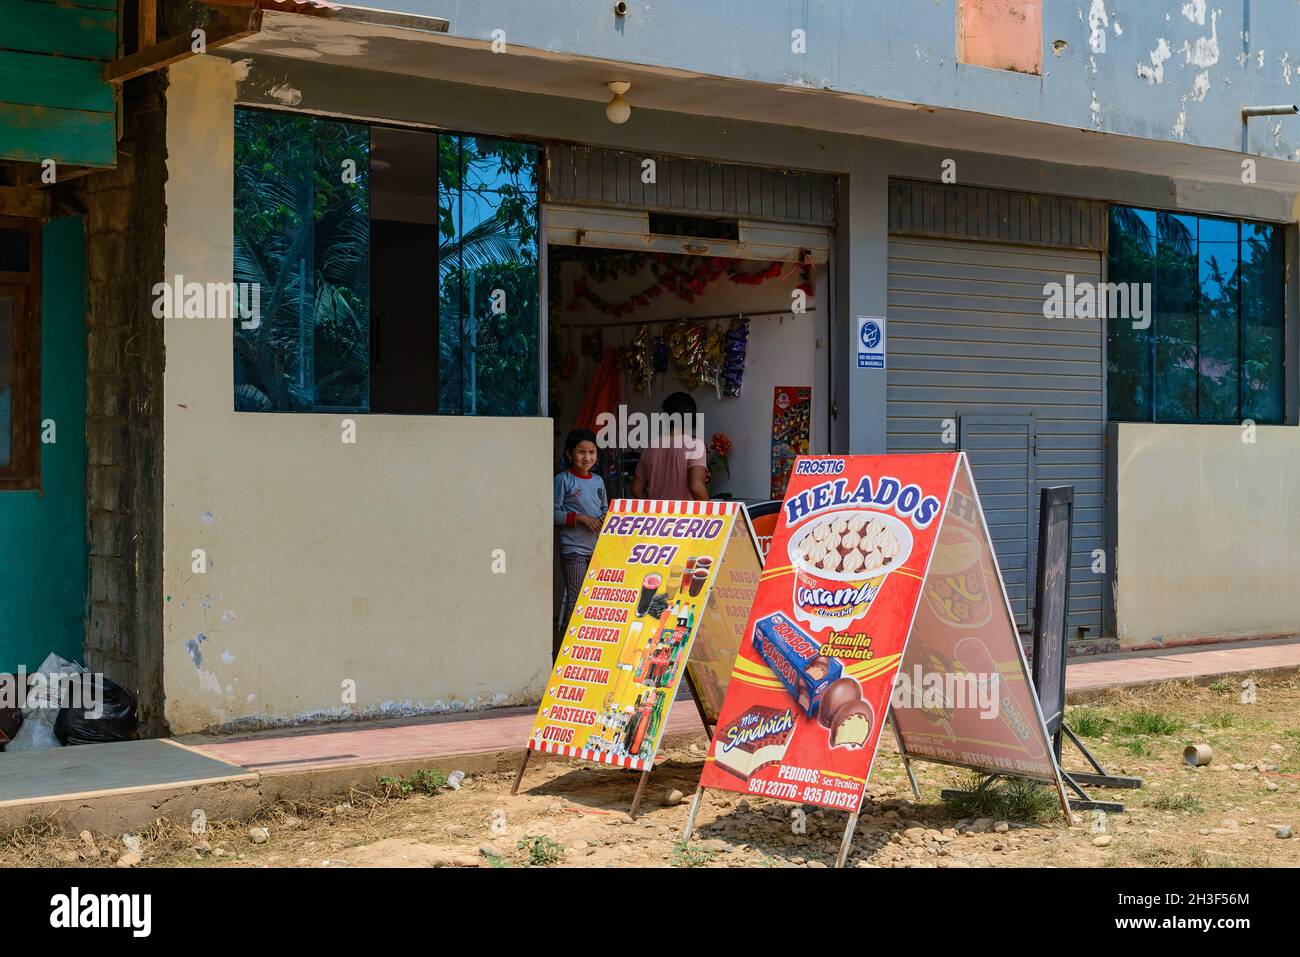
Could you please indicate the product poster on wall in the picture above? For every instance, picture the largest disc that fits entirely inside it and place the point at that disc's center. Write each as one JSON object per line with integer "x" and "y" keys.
{"x": 791, "y": 427}
{"x": 654, "y": 570}
{"x": 844, "y": 579}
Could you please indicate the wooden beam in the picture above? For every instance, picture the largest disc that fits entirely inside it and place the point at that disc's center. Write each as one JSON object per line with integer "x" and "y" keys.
{"x": 20, "y": 201}
{"x": 226, "y": 28}
{"x": 147, "y": 35}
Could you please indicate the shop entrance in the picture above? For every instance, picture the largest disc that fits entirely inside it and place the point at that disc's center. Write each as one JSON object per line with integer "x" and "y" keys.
{"x": 727, "y": 331}
{"x": 741, "y": 327}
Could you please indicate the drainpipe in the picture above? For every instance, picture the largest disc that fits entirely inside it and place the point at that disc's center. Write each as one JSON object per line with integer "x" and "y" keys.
{"x": 1284, "y": 109}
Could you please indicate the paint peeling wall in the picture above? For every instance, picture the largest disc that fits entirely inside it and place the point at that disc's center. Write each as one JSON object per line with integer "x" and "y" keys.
{"x": 1226, "y": 568}
{"x": 1178, "y": 70}
{"x": 326, "y": 562}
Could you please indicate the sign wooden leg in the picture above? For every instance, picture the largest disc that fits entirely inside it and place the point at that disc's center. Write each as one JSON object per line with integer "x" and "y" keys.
{"x": 1065, "y": 801}
{"x": 689, "y": 829}
{"x": 520, "y": 776}
{"x": 640, "y": 789}
{"x": 847, "y": 843}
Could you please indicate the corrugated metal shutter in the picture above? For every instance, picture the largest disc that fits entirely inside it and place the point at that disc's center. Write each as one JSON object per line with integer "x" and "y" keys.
{"x": 967, "y": 338}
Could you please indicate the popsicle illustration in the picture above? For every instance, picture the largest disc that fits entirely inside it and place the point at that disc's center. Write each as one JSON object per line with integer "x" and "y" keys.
{"x": 975, "y": 658}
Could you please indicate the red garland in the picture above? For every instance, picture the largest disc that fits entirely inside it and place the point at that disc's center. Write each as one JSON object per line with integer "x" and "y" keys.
{"x": 683, "y": 284}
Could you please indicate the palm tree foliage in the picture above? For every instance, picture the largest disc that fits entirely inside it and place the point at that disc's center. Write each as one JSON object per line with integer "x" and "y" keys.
{"x": 1213, "y": 350}
{"x": 302, "y": 232}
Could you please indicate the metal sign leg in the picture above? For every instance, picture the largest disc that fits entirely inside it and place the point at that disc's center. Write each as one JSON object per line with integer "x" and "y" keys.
{"x": 907, "y": 762}
{"x": 689, "y": 829}
{"x": 847, "y": 842}
{"x": 699, "y": 705}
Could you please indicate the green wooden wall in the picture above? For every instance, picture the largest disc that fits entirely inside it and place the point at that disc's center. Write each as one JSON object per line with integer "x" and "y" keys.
{"x": 53, "y": 103}
{"x": 43, "y": 533}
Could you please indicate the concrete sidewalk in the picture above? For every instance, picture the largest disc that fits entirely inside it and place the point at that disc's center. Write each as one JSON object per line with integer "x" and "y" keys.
{"x": 111, "y": 786}
{"x": 506, "y": 730}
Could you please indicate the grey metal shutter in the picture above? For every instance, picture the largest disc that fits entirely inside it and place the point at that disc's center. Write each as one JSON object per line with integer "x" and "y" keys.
{"x": 968, "y": 339}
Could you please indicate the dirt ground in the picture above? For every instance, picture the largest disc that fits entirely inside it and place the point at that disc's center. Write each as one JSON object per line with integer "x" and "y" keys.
{"x": 569, "y": 814}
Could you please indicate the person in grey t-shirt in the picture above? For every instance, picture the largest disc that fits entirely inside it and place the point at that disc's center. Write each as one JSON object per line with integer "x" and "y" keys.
{"x": 580, "y": 507}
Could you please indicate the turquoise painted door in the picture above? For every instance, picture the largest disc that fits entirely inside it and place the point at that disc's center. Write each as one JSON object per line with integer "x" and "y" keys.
{"x": 43, "y": 531}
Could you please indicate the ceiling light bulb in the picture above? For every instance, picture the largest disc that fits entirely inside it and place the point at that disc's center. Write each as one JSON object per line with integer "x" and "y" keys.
{"x": 618, "y": 109}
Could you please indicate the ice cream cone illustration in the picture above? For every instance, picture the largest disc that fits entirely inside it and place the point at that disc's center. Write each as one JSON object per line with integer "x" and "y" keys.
{"x": 957, "y": 589}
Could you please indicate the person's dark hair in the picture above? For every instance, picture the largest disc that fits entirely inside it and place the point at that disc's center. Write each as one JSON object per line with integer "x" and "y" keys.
{"x": 680, "y": 403}
{"x": 574, "y": 437}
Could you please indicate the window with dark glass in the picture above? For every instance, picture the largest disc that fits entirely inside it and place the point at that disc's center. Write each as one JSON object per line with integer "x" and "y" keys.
{"x": 398, "y": 269}
{"x": 20, "y": 416}
{"x": 1213, "y": 349}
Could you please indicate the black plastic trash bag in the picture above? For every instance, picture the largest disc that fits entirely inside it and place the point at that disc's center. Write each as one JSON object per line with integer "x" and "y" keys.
{"x": 116, "y": 721}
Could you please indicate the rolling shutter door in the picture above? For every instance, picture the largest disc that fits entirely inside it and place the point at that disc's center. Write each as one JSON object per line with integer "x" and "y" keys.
{"x": 968, "y": 342}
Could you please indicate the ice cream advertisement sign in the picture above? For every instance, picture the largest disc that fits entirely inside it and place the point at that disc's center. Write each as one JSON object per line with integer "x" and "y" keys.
{"x": 964, "y": 627}
{"x": 864, "y": 548}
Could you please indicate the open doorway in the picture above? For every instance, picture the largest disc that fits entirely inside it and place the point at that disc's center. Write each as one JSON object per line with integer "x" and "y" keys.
{"x": 747, "y": 339}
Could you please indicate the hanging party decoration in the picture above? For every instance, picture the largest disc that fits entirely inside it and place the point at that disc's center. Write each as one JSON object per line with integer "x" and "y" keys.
{"x": 685, "y": 277}
{"x": 686, "y": 341}
{"x": 593, "y": 344}
{"x": 733, "y": 356}
{"x": 639, "y": 360}
{"x": 714, "y": 342}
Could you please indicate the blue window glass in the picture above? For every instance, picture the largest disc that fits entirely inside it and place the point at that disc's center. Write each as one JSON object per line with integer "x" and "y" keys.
{"x": 302, "y": 239}
{"x": 488, "y": 276}
{"x": 1213, "y": 351}
{"x": 442, "y": 318}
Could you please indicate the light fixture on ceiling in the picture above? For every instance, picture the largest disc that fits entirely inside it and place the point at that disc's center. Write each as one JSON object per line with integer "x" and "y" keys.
{"x": 618, "y": 109}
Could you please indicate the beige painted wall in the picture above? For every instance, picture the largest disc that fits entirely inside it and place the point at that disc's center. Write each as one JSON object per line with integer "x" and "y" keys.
{"x": 328, "y": 562}
{"x": 1208, "y": 532}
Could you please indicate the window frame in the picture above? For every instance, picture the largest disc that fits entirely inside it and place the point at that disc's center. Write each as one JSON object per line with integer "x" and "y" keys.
{"x": 1289, "y": 389}
{"x": 23, "y": 472}
{"x": 542, "y": 312}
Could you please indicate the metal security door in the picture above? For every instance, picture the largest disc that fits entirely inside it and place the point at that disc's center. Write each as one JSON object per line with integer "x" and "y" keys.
{"x": 1001, "y": 453}
{"x": 969, "y": 341}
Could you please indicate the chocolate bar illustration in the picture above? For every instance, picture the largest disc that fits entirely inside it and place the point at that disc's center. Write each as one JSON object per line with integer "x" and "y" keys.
{"x": 797, "y": 660}
{"x": 757, "y": 738}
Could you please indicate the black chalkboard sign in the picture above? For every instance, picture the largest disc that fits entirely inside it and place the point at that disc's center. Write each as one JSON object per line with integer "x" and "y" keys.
{"x": 1052, "y": 604}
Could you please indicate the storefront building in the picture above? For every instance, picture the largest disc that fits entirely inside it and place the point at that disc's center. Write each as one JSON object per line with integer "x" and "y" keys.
{"x": 443, "y": 230}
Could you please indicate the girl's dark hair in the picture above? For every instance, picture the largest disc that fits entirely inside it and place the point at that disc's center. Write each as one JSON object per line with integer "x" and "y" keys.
{"x": 578, "y": 435}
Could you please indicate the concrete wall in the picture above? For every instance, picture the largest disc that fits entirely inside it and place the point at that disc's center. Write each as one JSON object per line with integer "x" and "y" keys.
{"x": 1207, "y": 531}
{"x": 329, "y": 562}
{"x": 43, "y": 571}
{"x": 1171, "y": 70}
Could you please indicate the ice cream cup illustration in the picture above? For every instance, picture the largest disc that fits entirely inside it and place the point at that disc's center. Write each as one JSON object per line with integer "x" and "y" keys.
{"x": 957, "y": 588}
{"x": 841, "y": 560}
